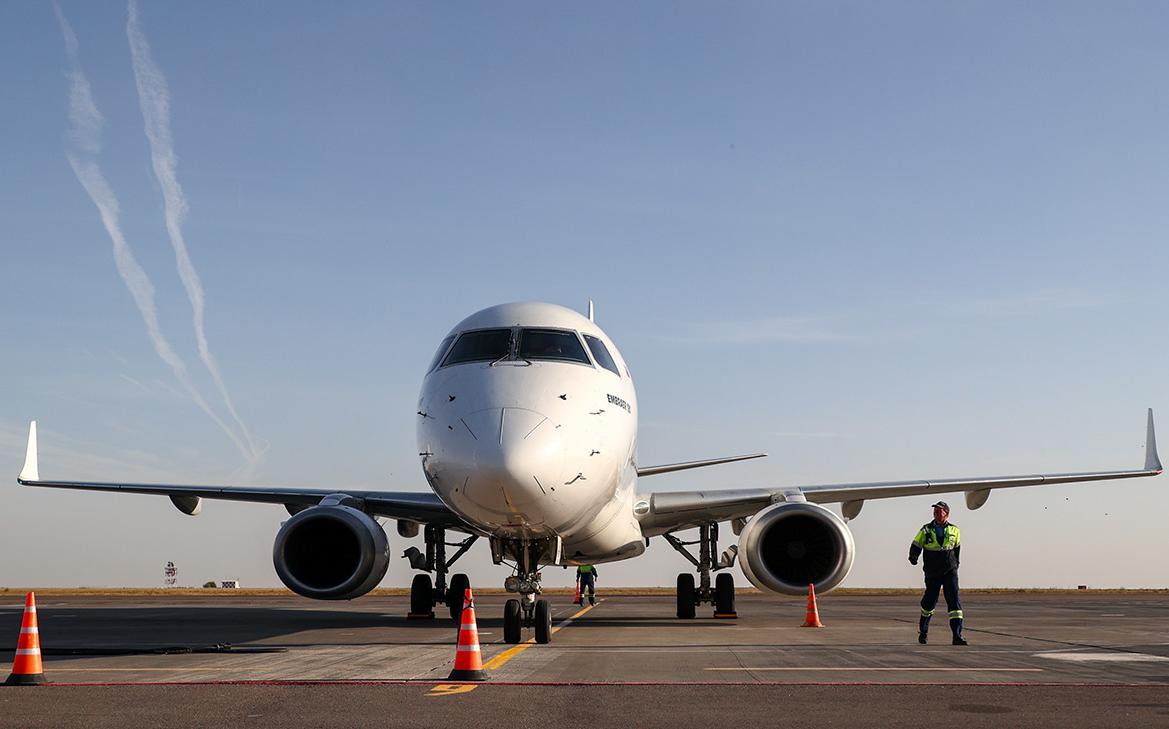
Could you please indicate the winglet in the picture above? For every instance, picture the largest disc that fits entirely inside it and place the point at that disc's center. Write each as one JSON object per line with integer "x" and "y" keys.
{"x": 1152, "y": 460}
{"x": 30, "y": 471}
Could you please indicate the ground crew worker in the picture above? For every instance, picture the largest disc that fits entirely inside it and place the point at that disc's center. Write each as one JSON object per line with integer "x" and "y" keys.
{"x": 942, "y": 543}
{"x": 586, "y": 574}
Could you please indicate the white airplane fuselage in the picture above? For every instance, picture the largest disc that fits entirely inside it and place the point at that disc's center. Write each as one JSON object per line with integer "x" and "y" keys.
{"x": 536, "y": 442}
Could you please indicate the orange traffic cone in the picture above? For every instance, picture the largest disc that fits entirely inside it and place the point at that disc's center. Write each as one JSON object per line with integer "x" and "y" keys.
{"x": 26, "y": 667}
{"x": 576, "y": 600}
{"x": 468, "y": 661}
{"x": 813, "y": 618}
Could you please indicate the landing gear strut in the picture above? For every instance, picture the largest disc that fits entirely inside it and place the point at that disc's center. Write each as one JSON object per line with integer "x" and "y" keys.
{"x": 528, "y": 611}
{"x": 424, "y": 596}
{"x": 722, "y": 594}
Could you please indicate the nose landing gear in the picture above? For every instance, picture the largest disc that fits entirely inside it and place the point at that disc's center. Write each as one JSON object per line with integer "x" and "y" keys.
{"x": 529, "y": 611}
{"x": 722, "y": 594}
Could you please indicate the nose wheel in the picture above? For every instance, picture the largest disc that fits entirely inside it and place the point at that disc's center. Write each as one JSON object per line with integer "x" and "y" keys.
{"x": 512, "y": 627}
{"x": 527, "y": 612}
{"x": 543, "y": 621}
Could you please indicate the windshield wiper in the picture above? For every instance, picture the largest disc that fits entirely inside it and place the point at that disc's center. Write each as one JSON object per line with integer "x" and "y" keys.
{"x": 527, "y": 362}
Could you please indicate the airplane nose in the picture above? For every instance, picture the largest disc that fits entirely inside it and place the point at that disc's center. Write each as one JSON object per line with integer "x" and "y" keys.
{"x": 518, "y": 454}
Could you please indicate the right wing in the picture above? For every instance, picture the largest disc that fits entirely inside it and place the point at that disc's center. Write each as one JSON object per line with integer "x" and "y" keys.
{"x": 425, "y": 508}
{"x": 667, "y": 511}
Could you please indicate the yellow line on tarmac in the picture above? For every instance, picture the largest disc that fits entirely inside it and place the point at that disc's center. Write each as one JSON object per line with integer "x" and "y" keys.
{"x": 510, "y": 653}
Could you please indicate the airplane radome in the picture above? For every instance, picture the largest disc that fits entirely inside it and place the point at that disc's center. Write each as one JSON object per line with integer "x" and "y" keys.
{"x": 527, "y": 434}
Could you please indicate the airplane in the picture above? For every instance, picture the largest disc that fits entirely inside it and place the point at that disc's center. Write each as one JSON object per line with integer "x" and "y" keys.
{"x": 527, "y": 435}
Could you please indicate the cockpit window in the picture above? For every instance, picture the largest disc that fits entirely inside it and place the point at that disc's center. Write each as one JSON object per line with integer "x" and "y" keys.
{"x": 485, "y": 345}
{"x": 552, "y": 344}
{"x": 442, "y": 348}
{"x": 601, "y": 354}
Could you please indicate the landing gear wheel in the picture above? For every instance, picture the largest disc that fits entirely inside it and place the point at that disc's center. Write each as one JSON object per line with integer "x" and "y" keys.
{"x": 686, "y": 596}
{"x": 724, "y": 594}
{"x": 421, "y": 595}
{"x": 454, "y": 594}
{"x": 543, "y": 621}
{"x": 511, "y": 621}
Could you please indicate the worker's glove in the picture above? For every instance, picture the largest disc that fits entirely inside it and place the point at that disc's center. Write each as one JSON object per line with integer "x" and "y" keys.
{"x": 913, "y": 560}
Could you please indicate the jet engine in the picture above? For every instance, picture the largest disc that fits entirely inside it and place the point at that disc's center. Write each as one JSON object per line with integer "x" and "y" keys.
{"x": 788, "y": 546}
{"x": 331, "y": 552}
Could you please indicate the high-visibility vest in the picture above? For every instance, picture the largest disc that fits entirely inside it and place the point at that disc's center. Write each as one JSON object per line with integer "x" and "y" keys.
{"x": 927, "y": 538}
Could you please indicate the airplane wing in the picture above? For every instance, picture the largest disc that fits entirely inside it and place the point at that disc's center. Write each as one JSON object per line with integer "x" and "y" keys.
{"x": 671, "y": 467}
{"x": 425, "y": 508}
{"x": 666, "y": 511}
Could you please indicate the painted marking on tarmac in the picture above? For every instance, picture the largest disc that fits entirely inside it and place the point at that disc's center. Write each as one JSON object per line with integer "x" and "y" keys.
{"x": 970, "y": 669}
{"x": 510, "y": 653}
{"x": 1104, "y": 657}
{"x": 451, "y": 689}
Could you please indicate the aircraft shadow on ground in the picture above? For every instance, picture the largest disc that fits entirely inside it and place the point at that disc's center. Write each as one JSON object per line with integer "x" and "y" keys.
{"x": 126, "y": 630}
{"x": 646, "y": 622}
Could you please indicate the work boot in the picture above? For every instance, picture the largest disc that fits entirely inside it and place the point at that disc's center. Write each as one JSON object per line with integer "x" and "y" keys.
{"x": 921, "y": 638}
{"x": 956, "y": 629}
{"x": 592, "y": 599}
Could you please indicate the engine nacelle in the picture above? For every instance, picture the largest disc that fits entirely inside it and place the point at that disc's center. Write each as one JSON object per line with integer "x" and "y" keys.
{"x": 788, "y": 546}
{"x": 331, "y": 553}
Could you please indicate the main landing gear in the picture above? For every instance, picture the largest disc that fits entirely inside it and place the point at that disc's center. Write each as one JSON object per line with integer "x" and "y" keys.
{"x": 722, "y": 596}
{"x": 423, "y": 595}
{"x": 528, "y": 611}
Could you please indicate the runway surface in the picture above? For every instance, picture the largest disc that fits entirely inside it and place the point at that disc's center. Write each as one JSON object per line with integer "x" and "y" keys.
{"x": 1078, "y": 659}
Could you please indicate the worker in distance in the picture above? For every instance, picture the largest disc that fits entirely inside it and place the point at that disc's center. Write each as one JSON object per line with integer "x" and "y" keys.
{"x": 941, "y": 542}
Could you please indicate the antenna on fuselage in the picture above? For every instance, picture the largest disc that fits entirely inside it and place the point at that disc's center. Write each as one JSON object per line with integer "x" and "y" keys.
{"x": 591, "y": 318}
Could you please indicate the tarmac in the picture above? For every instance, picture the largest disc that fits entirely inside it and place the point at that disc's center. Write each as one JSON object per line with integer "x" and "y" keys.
{"x": 1036, "y": 659}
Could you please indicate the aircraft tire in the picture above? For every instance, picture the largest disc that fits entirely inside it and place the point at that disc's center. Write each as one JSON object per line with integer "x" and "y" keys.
{"x": 511, "y": 621}
{"x": 454, "y": 594}
{"x": 686, "y": 596}
{"x": 724, "y": 594}
{"x": 543, "y": 621}
{"x": 421, "y": 595}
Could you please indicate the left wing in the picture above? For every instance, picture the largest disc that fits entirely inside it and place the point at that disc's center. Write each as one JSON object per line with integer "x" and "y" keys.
{"x": 671, "y": 467}
{"x": 670, "y": 510}
{"x": 422, "y": 507}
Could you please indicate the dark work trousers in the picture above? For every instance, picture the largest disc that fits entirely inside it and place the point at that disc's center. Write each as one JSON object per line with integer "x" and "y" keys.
{"x": 588, "y": 582}
{"x": 948, "y": 584}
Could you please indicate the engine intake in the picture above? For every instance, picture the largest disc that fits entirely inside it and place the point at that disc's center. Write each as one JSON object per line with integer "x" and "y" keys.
{"x": 786, "y": 547}
{"x": 331, "y": 553}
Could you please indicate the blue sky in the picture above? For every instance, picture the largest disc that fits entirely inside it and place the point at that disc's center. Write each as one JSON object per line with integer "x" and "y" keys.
{"x": 876, "y": 240}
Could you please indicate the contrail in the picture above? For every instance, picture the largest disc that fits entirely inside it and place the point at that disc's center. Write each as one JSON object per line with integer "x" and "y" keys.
{"x": 154, "y": 98}
{"x": 85, "y": 135}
